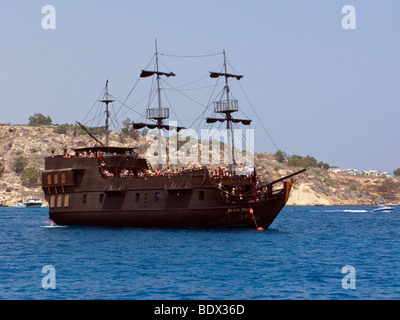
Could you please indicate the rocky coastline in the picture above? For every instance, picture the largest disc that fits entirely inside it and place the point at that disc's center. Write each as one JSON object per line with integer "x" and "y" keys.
{"x": 315, "y": 187}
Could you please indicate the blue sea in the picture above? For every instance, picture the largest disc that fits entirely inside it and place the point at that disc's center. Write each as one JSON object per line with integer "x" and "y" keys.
{"x": 328, "y": 253}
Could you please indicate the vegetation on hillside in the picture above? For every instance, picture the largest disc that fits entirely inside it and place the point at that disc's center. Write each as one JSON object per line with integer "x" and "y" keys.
{"x": 2, "y": 168}
{"x": 299, "y": 161}
{"x": 30, "y": 177}
{"x": 19, "y": 164}
{"x": 24, "y": 147}
{"x": 39, "y": 119}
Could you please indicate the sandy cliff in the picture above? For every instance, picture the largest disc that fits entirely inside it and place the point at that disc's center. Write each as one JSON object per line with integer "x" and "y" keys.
{"x": 314, "y": 187}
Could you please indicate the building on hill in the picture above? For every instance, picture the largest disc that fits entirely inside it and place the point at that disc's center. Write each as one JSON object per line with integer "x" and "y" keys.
{"x": 349, "y": 172}
{"x": 376, "y": 173}
{"x": 334, "y": 169}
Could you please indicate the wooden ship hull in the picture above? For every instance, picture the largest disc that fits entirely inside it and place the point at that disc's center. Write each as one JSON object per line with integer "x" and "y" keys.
{"x": 78, "y": 194}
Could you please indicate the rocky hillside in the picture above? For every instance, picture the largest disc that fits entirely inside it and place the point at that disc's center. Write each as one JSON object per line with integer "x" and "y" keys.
{"x": 35, "y": 143}
{"x": 319, "y": 187}
{"x": 314, "y": 187}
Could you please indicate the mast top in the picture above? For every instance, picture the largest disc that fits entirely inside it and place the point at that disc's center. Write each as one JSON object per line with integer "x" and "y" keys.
{"x": 160, "y": 113}
{"x": 106, "y": 100}
{"x": 229, "y": 105}
{"x": 225, "y": 74}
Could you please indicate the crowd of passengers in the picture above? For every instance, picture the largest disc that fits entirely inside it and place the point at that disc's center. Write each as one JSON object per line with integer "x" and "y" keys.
{"x": 126, "y": 173}
{"x": 221, "y": 172}
{"x": 84, "y": 154}
{"x": 216, "y": 174}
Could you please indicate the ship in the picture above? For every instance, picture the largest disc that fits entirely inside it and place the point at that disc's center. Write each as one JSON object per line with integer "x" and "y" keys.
{"x": 103, "y": 185}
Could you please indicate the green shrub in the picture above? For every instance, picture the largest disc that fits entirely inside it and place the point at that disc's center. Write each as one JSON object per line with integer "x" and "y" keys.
{"x": 127, "y": 128}
{"x": 30, "y": 176}
{"x": 19, "y": 164}
{"x": 61, "y": 129}
{"x": 306, "y": 162}
{"x": 39, "y": 120}
{"x": 280, "y": 156}
{"x": 2, "y": 168}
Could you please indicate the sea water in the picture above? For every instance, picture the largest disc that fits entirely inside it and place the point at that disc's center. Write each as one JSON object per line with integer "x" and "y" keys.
{"x": 307, "y": 253}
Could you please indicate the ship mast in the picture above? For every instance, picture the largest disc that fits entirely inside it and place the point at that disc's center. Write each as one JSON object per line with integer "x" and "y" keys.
{"x": 227, "y": 107}
{"x": 107, "y": 100}
{"x": 159, "y": 119}
{"x": 160, "y": 113}
{"x": 228, "y": 120}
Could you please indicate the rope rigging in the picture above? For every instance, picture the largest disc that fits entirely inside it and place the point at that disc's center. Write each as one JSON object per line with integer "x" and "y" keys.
{"x": 165, "y": 85}
{"x": 195, "y": 56}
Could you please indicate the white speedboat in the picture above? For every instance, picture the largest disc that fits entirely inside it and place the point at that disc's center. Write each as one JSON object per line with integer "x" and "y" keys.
{"x": 33, "y": 202}
{"x": 382, "y": 207}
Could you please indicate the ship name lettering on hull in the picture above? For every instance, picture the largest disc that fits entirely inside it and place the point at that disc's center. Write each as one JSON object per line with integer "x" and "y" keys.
{"x": 238, "y": 210}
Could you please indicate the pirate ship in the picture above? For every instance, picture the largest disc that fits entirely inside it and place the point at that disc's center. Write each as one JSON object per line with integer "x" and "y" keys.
{"x": 114, "y": 186}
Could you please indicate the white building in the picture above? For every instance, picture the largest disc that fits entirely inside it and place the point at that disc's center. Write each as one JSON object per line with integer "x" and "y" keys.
{"x": 376, "y": 173}
{"x": 334, "y": 169}
{"x": 349, "y": 172}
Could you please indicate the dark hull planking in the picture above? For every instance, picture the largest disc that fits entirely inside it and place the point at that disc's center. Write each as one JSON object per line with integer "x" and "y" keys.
{"x": 78, "y": 195}
{"x": 205, "y": 217}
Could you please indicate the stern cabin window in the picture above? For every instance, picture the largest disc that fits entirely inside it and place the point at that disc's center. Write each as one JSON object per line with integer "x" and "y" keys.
{"x": 66, "y": 201}
{"x": 52, "y": 201}
{"x": 59, "y": 201}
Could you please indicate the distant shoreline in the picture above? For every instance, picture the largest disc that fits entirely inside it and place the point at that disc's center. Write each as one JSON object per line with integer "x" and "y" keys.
{"x": 315, "y": 187}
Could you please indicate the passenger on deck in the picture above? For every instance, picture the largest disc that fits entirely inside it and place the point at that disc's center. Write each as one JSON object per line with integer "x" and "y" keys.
{"x": 108, "y": 174}
{"x": 226, "y": 170}
{"x": 215, "y": 174}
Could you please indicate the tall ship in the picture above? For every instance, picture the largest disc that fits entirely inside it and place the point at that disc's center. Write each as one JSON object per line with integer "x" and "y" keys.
{"x": 104, "y": 185}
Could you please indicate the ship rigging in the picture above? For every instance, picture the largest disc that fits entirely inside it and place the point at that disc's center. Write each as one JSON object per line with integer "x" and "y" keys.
{"x": 110, "y": 185}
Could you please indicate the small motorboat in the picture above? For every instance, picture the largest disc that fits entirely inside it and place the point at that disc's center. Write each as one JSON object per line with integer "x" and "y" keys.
{"x": 33, "y": 202}
{"x": 20, "y": 205}
{"x": 382, "y": 207}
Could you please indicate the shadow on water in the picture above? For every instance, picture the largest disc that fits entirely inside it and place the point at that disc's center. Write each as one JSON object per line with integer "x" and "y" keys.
{"x": 216, "y": 231}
